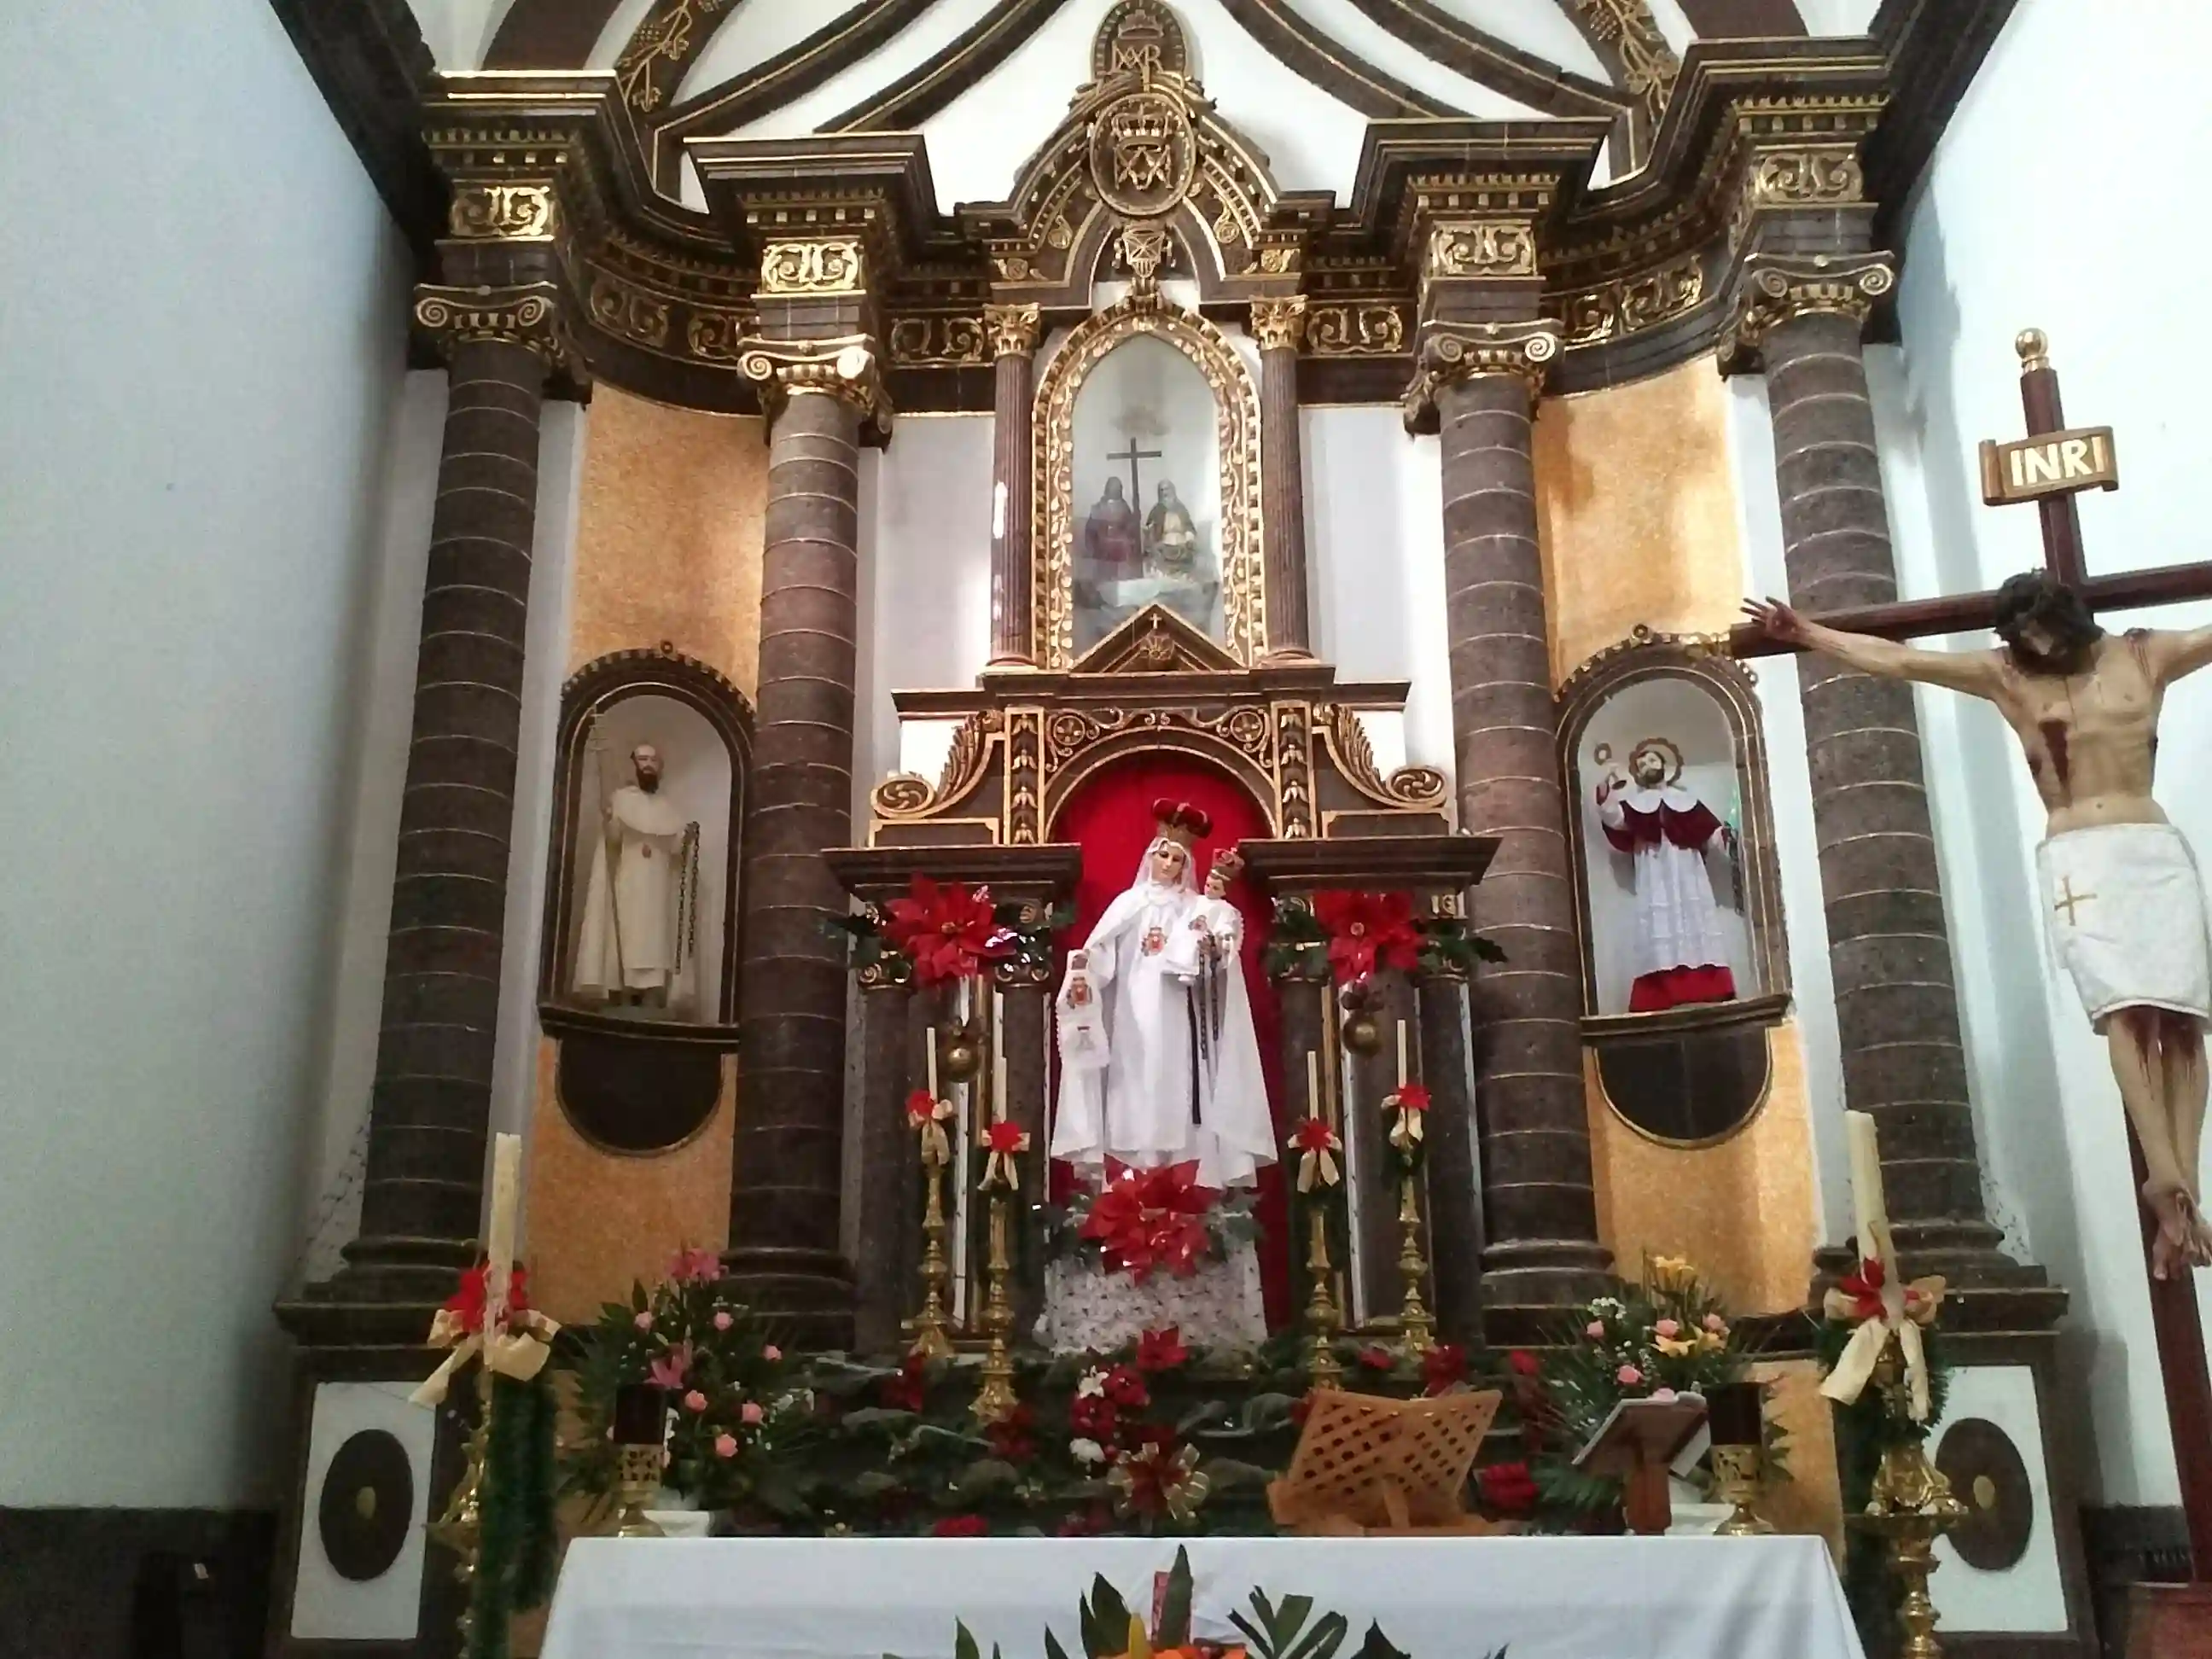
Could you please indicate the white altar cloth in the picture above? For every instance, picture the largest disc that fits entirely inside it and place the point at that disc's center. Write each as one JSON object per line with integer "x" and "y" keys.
{"x": 1437, "y": 1598}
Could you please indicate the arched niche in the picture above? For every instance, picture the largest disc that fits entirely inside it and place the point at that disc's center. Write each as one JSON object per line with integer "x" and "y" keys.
{"x": 702, "y": 725}
{"x": 1148, "y": 375}
{"x": 1681, "y": 1049}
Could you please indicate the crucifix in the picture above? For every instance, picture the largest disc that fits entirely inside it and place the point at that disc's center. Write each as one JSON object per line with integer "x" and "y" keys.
{"x": 2109, "y": 855}
{"x": 1132, "y": 455}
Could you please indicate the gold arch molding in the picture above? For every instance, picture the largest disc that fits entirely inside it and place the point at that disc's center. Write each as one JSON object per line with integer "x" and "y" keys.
{"x": 1236, "y": 435}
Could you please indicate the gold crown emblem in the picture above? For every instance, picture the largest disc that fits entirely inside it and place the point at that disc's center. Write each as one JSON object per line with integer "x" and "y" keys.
{"x": 1144, "y": 124}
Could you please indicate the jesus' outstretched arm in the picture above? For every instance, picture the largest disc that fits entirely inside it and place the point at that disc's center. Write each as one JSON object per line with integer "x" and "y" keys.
{"x": 1977, "y": 673}
{"x": 2174, "y": 653}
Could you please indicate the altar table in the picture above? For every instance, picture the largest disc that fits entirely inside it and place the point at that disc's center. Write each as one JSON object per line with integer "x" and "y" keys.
{"x": 1435, "y": 1598}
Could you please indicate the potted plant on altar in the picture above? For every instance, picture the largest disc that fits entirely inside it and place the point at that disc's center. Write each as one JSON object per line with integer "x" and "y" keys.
{"x": 733, "y": 1406}
{"x": 1665, "y": 1335}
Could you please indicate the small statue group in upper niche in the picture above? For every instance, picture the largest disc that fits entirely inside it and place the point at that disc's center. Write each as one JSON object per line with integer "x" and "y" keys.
{"x": 1123, "y": 563}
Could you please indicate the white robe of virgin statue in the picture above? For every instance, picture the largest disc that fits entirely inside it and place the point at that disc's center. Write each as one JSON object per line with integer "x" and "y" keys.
{"x": 1139, "y": 1083}
{"x": 631, "y": 938}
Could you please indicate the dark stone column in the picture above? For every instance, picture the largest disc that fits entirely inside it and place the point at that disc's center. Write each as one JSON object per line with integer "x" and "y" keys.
{"x": 422, "y": 1189}
{"x": 1542, "y": 1248}
{"x": 1454, "y": 1167}
{"x": 1278, "y": 325}
{"x": 1014, "y": 343}
{"x": 1023, "y": 1038}
{"x": 890, "y": 1173}
{"x": 785, "y": 1255}
{"x": 1888, "y": 949}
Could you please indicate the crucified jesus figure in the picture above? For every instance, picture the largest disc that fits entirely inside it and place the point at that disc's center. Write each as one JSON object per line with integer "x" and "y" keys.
{"x": 2122, "y": 895}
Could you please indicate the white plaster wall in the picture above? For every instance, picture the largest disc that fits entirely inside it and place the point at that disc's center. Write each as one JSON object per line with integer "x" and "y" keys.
{"x": 460, "y": 31}
{"x": 2069, "y": 85}
{"x": 924, "y": 578}
{"x": 192, "y": 451}
{"x": 1375, "y": 554}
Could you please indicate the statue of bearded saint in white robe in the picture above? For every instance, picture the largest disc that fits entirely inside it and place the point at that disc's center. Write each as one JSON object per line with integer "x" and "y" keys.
{"x": 641, "y": 900}
{"x": 1159, "y": 1064}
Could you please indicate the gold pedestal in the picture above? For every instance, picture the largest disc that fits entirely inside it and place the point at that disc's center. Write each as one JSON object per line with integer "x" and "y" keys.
{"x": 637, "y": 1479}
{"x": 1910, "y": 1507}
{"x": 995, "y": 1400}
{"x": 1416, "y": 1330}
{"x": 460, "y": 1528}
{"x": 1322, "y": 1316}
{"x": 1737, "y": 1473}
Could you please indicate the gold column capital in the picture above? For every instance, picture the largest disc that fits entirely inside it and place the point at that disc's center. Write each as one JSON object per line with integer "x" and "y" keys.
{"x": 847, "y": 366}
{"x": 531, "y": 314}
{"x": 1013, "y": 329}
{"x": 1452, "y": 352}
{"x": 1279, "y": 324}
{"x": 1772, "y": 289}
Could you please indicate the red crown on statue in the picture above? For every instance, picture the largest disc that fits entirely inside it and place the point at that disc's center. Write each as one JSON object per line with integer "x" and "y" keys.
{"x": 1179, "y": 821}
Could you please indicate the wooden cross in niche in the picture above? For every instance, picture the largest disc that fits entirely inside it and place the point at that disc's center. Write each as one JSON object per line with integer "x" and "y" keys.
{"x": 2049, "y": 467}
{"x": 1132, "y": 455}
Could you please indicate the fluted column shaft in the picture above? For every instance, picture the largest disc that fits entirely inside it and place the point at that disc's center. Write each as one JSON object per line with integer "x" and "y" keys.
{"x": 1539, "y": 1207}
{"x": 788, "y": 1179}
{"x": 1013, "y": 331}
{"x": 1278, "y": 325}
{"x": 1889, "y": 948}
{"x": 431, "y": 1104}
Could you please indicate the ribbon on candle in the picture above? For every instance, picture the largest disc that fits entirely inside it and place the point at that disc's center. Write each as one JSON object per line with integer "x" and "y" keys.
{"x": 927, "y": 1117}
{"x": 1002, "y": 1141}
{"x": 1317, "y": 1145}
{"x": 1876, "y": 1299}
{"x": 1411, "y": 1104}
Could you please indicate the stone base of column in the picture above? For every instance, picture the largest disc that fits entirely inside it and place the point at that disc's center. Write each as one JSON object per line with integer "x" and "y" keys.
{"x": 1529, "y": 1284}
{"x": 806, "y": 1294}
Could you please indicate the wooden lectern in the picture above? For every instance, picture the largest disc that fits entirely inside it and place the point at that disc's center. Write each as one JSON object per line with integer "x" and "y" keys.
{"x": 1367, "y": 1465}
{"x": 1639, "y": 1441}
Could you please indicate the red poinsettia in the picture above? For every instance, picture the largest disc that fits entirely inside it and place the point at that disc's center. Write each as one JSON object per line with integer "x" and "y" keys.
{"x": 1161, "y": 1351}
{"x": 948, "y": 931}
{"x": 1507, "y": 1488}
{"x": 1093, "y": 1417}
{"x": 904, "y": 1391}
{"x": 1012, "y": 1437}
{"x": 961, "y": 1526}
{"x": 1148, "y": 1218}
{"x": 1377, "y": 1358}
{"x": 1368, "y": 931}
{"x": 1443, "y": 1366}
{"x": 1127, "y": 1389}
{"x": 1524, "y": 1363}
{"x": 1414, "y": 1098}
{"x": 468, "y": 1302}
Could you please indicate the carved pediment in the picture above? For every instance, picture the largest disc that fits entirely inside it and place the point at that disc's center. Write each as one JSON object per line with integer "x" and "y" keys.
{"x": 1156, "y": 640}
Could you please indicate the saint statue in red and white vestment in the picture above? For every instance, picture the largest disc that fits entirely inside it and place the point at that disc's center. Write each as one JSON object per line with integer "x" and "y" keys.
{"x": 1682, "y": 954}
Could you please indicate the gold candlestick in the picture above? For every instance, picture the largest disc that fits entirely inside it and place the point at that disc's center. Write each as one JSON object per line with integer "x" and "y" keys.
{"x": 1417, "y": 1331}
{"x": 1909, "y": 1507}
{"x": 930, "y": 1340}
{"x": 995, "y": 1399}
{"x": 1322, "y": 1315}
{"x": 1737, "y": 1473}
{"x": 460, "y": 1528}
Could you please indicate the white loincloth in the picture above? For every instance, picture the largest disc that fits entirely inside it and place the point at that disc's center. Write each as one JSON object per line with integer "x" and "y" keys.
{"x": 2134, "y": 935}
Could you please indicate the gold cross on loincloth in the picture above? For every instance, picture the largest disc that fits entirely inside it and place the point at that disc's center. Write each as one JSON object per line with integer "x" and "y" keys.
{"x": 2069, "y": 900}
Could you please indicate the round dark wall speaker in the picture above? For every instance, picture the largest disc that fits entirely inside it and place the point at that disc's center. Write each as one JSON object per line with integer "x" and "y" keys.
{"x": 367, "y": 1506}
{"x": 1988, "y": 1476}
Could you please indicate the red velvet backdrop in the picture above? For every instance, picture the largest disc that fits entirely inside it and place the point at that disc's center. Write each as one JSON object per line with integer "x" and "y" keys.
{"x": 1111, "y": 815}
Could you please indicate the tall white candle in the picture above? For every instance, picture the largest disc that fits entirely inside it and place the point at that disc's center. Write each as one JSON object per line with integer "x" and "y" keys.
{"x": 1313, "y": 1084}
{"x": 998, "y": 1088}
{"x": 1401, "y": 1053}
{"x": 930, "y": 1058}
{"x": 1870, "y": 1218}
{"x": 505, "y": 1195}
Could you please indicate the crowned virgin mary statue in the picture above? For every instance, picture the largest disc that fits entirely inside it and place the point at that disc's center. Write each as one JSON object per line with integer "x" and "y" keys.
{"x": 1159, "y": 1066}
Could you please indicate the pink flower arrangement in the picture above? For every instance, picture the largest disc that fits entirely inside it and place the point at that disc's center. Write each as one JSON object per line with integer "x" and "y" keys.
{"x": 751, "y": 1411}
{"x": 690, "y": 1267}
{"x": 773, "y": 1354}
{"x": 726, "y": 1445}
{"x": 643, "y": 1321}
{"x": 1628, "y": 1376}
{"x": 1716, "y": 1324}
{"x": 672, "y": 1369}
{"x": 724, "y": 1319}
{"x": 1595, "y": 1330}
{"x": 1667, "y": 1327}
{"x": 695, "y": 1402}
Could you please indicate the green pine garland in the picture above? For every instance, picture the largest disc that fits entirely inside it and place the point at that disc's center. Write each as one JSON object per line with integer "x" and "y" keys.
{"x": 516, "y": 1547}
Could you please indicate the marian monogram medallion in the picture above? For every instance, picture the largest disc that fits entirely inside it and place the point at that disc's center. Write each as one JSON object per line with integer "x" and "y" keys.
{"x": 1143, "y": 153}
{"x": 1155, "y": 940}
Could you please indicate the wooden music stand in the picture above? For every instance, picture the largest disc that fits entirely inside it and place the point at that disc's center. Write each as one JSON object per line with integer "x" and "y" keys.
{"x": 1368, "y": 1465}
{"x": 1639, "y": 1441}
